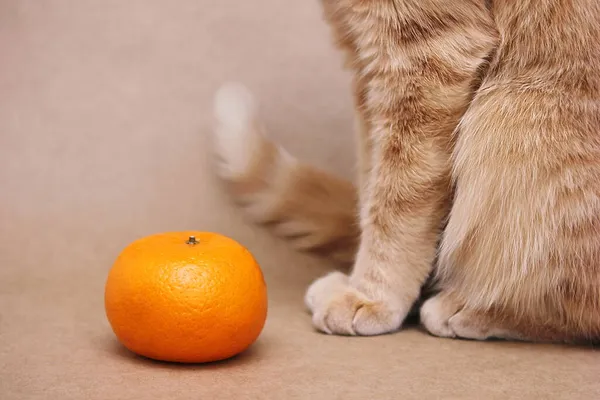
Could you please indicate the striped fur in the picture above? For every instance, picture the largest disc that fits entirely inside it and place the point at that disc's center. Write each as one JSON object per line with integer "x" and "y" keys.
{"x": 479, "y": 152}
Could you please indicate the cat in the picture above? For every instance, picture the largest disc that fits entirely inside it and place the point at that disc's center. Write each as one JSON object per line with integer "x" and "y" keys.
{"x": 478, "y": 130}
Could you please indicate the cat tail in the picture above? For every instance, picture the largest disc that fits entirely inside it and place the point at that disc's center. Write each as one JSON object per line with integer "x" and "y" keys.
{"x": 313, "y": 209}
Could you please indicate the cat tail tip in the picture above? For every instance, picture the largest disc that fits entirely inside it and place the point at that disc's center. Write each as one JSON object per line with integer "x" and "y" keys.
{"x": 311, "y": 208}
{"x": 236, "y": 134}
{"x": 255, "y": 169}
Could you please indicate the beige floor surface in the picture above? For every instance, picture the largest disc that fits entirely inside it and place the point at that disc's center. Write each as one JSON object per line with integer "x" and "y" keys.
{"x": 104, "y": 119}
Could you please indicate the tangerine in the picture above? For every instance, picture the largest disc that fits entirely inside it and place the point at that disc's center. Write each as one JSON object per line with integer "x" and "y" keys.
{"x": 186, "y": 297}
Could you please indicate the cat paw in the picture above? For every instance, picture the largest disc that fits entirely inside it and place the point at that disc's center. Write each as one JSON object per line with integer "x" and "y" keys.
{"x": 467, "y": 325}
{"x": 435, "y": 315}
{"x": 339, "y": 309}
{"x": 444, "y": 316}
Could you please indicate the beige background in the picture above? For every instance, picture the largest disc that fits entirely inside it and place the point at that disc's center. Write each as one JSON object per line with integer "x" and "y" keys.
{"x": 104, "y": 117}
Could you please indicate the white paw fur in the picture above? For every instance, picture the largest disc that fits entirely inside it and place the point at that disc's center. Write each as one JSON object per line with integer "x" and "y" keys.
{"x": 435, "y": 314}
{"x": 444, "y": 317}
{"x": 340, "y": 309}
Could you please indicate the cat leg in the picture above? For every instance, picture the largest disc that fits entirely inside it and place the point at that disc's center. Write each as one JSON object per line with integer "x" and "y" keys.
{"x": 413, "y": 107}
{"x": 364, "y": 141}
{"x": 341, "y": 21}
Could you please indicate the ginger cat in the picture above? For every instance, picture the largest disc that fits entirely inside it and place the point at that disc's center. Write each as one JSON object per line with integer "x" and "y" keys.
{"x": 479, "y": 152}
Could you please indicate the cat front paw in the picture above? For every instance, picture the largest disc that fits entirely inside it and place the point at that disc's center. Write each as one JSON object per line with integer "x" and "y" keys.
{"x": 340, "y": 309}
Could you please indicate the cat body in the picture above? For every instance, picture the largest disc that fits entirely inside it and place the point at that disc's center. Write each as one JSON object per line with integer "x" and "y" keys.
{"x": 479, "y": 151}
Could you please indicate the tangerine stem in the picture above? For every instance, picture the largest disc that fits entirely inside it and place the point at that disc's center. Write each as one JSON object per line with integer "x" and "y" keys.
{"x": 192, "y": 240}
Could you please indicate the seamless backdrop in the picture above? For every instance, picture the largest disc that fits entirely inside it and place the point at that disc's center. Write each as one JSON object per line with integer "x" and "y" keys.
{"x": 105, "y": 114}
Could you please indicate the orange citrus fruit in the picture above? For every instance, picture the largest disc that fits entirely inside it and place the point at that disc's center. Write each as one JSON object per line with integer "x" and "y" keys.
{"x": 186, "y": 297}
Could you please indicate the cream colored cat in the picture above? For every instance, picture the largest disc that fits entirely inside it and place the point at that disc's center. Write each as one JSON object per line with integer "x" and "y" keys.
{"x": 479, "y": 128}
